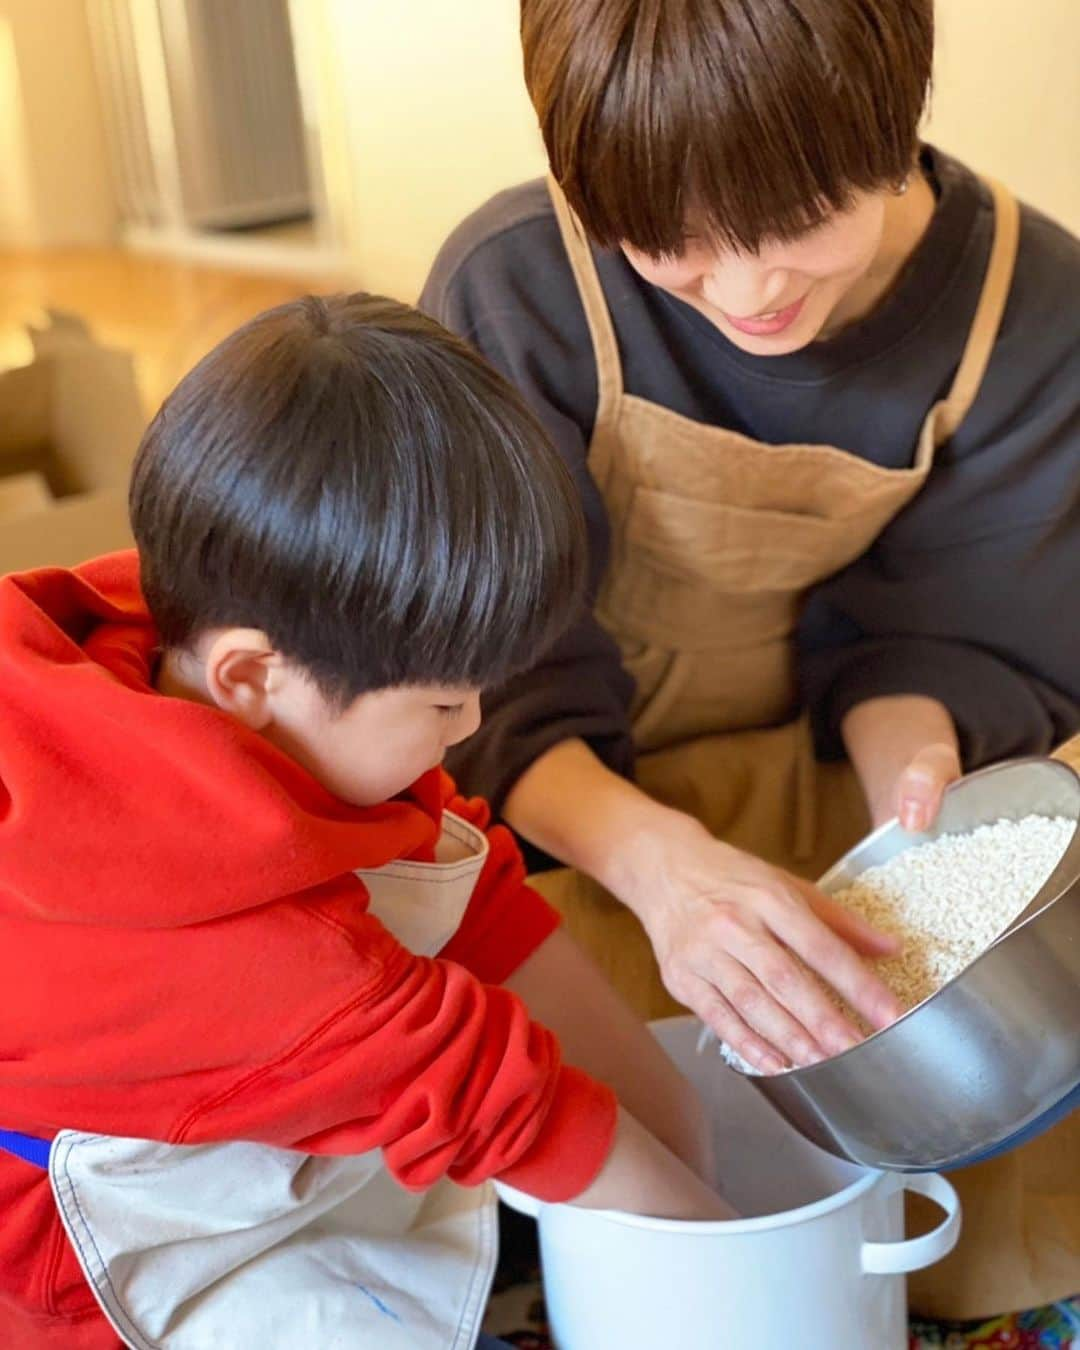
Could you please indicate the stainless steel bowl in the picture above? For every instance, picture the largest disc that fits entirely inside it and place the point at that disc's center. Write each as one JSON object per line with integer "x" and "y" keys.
{"x": 994, "y": 1056}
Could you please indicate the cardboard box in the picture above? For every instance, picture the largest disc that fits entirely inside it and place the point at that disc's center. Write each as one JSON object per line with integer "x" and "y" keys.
{"x": 70, "y": 423}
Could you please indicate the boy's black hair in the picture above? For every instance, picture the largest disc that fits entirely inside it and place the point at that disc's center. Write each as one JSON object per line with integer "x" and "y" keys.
{"x": 345, "y": 475}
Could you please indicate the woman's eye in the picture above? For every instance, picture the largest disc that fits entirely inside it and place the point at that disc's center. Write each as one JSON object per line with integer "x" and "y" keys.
{"x": 449, "y": 709}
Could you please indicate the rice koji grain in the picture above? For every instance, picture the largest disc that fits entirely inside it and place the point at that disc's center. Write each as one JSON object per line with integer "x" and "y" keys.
{"x": 949, "y": 899}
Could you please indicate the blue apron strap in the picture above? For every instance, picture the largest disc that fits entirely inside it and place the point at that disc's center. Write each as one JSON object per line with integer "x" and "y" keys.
{"x": 26, "y": 1147}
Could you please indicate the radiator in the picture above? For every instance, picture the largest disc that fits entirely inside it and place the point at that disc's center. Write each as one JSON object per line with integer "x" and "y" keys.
{"x": 203, "y": 107}
{"x": 112, "y": 33}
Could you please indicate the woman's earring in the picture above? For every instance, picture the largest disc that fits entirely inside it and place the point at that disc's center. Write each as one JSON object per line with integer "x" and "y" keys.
{"x": 903, "y": 185}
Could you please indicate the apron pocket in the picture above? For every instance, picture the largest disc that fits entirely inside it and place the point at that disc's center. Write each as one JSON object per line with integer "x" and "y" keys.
{"x": 195, "y": 1247}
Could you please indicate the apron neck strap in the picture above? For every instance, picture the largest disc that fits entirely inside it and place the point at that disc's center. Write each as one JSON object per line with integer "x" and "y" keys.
{"x": 597, "y": 315}
{"x": 948, "y": 414}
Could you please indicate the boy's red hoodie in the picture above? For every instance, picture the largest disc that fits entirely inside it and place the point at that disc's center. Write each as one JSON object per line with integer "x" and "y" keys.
{"x": 185, "y": 954}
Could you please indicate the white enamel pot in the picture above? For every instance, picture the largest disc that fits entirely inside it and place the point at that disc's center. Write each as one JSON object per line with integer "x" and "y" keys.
{"x": 818, "y": 1262}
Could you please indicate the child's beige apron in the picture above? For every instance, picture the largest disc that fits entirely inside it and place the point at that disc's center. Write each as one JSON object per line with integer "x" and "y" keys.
{"x": 716, "y": 538}
{"x": 242, "y": 1246}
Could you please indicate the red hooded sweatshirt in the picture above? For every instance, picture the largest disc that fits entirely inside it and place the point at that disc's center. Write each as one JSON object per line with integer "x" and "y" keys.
{"x": 186, "y": 956}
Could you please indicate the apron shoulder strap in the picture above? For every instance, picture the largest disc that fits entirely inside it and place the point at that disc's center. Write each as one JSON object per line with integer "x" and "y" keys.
{"x": 601, "y": 329}
{"x": 947, "y": 415}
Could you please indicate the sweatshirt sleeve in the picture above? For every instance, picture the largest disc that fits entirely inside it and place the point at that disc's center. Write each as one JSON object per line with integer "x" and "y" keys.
{"x": 512, "y": 296}
{"x": 969, "y": 597}
{"x": 381, "y": 1049}
{"x": 999, "y": 711}
{"x": 980, "y": 625}
{"x": 578, "y": 690}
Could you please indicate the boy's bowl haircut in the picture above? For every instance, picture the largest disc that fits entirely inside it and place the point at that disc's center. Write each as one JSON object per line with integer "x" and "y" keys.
{"x": 348, "y": 477}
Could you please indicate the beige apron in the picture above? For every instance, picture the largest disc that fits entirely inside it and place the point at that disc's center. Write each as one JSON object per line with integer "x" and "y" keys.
{"x": 715, "y": 540}
{"x": 202, "y": 1247}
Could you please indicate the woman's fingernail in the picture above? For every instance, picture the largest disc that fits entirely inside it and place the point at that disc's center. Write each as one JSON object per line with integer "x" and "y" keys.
{"x": 912, "y": 814}
{"x": 771, "y": 1064}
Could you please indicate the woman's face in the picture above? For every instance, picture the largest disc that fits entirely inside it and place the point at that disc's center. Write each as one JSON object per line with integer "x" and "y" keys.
{"x": 781, "y": 298}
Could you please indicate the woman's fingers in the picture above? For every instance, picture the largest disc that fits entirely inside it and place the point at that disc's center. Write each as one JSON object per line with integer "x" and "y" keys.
{"x": 853, "y": 928}
{"x": 750, "y": 952}
{"x": 779, "y": 1001}
{"x": 922, "y": 785}
{"x": 793, "y": 919}
{"x": 785, "y": 1003}
{"x": 721, "y": 1018}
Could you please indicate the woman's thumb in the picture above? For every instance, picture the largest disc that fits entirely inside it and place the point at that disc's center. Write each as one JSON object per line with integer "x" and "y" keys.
{"x": 922, "y": 786}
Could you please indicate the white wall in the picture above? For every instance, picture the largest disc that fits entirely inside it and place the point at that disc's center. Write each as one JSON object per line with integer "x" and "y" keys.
{"x": 1007, "y": 96}
{"x": 56, "y": 187}
{"x": 16, "y": 203}
{"x": 437, "y": 118}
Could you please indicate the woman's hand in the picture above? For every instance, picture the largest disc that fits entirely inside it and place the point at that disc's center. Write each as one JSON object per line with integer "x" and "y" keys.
{"x": 905, "y": 751}
{"x": 727, "y": 929}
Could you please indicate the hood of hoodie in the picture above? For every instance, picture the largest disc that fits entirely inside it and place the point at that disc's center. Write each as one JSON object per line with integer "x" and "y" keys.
{"x": 119, "y": 805}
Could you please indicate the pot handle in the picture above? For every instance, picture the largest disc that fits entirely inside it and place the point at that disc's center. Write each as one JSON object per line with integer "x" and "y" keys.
{"x": 898, "y": 1258}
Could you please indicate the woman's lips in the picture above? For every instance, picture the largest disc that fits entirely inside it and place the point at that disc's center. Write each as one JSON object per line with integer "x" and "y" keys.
{"x": 768, "y": 325}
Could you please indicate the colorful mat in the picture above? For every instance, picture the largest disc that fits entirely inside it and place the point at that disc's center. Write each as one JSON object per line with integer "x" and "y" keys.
{"x": 1053, "y": 1328}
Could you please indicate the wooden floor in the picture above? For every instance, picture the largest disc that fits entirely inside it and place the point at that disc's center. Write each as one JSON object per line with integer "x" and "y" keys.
{"x": 166, "y": 313}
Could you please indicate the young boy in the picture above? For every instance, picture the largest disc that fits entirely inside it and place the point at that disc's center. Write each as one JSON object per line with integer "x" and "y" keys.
{"x": 268, "y": 983}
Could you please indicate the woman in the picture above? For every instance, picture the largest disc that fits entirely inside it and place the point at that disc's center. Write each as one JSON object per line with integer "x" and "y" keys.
{"x": 818, "y": 386}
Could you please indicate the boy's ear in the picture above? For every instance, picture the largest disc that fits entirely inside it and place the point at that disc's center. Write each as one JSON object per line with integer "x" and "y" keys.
{"x": 242, "y": 671}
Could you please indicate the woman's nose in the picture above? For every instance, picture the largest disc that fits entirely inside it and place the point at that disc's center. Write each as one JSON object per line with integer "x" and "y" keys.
{"x": 746, "y": 291}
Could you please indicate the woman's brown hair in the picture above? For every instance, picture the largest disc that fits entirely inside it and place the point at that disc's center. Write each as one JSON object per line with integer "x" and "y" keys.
{"x": 747, "y": 119}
